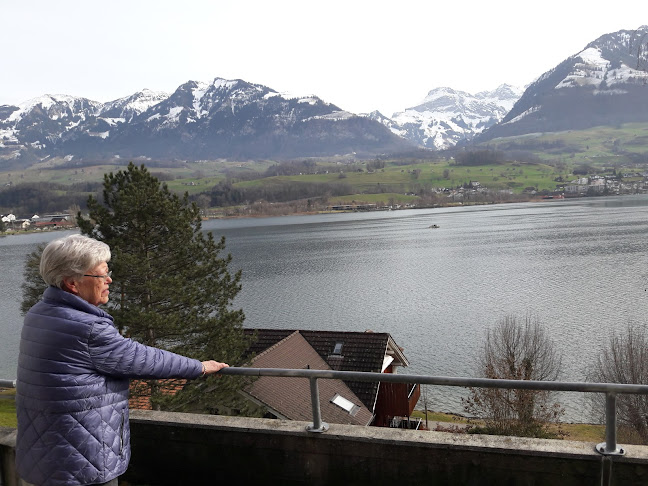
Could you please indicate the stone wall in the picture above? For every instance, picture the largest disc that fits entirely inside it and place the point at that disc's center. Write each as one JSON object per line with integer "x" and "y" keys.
{"x": 184, "y": 449}
{"x": 209, "y": 449}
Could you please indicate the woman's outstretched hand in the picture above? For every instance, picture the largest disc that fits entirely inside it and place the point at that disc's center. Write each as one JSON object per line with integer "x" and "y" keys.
{"x": 211, "y": 367}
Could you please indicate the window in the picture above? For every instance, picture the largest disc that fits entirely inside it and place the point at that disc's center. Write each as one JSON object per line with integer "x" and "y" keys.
{"x": 345, "y": 404}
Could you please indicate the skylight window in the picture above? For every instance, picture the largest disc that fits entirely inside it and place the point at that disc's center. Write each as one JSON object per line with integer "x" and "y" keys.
{"x": 338, "y": 348}
{"x": 345, "y": 404}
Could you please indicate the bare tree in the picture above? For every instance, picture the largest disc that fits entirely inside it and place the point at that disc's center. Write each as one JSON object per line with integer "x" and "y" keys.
{"x": 425, "y": 399}
{"x": 73, "y": 210}
{"x": 203, "y": 201}
{"x": 625, "y": 360}
{"x": 516, "y": 350}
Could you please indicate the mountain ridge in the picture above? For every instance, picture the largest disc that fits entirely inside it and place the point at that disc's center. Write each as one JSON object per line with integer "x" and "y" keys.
{"x": 596, "y": 86}
{"x": 220, "y": 119}
{"x": 236, "y": 119}
{"x": 447, "y": 117}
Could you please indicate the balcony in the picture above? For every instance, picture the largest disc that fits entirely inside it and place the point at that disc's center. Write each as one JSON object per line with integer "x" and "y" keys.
{"x": 177, "y": 448}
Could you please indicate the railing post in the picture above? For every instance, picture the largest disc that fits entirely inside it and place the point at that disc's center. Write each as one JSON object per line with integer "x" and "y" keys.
{"x": 609, "y": 447}
{"x": 317, "y": 425}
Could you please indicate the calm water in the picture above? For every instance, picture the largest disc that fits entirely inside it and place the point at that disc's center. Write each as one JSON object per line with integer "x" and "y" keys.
{"x": 580, "y": 265}
{"x": 13, "y": 253}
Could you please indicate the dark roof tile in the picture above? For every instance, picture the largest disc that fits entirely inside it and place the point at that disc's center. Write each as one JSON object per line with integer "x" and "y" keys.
{"x": 360, "y": 351}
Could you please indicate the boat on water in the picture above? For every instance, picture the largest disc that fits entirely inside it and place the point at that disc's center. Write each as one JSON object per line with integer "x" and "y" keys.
{"x": 434, "y": 226}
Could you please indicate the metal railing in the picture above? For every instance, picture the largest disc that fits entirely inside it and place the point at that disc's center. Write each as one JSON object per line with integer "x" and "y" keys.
{"x": 611, "y": 390}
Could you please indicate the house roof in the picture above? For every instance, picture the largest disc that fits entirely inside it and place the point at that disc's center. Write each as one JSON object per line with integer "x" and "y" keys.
{"x": 287, "y": 397}
{"x": 60, "y": 222}
{"x": 357, "y": 351}
{"x": 140, "y": 391}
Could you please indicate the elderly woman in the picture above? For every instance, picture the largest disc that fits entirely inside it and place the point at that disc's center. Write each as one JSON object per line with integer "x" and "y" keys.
{"x": 73, "y": 373}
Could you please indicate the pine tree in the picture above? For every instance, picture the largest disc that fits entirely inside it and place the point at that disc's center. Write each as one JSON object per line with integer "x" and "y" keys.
{"x": 33, "y": 284}
{"x": 171, "y": 287}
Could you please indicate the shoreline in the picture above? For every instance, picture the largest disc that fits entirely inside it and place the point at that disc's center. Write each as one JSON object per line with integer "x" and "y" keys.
{"x": 350, "y": 211}
{"x": 213, "y": 214}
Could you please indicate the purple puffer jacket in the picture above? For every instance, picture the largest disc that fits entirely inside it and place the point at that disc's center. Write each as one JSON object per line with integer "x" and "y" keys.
{"x": 72, "y": 391}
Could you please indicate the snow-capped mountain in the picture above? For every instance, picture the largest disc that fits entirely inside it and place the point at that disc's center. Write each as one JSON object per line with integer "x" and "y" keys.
{"x": 604, "y": 84}
{"x": 600, "y": 85}
{"x": 37, "y": 122}
{"x": 124, "y": 109}
{"x": 220, "y": 119}
{"x": 446, "y": 116}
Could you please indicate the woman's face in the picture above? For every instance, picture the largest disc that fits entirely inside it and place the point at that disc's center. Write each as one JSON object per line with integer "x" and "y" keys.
{"x": 94, "y": 289}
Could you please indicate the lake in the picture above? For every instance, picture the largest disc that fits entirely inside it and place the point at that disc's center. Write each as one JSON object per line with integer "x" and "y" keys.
{"x": 579, "y": 265}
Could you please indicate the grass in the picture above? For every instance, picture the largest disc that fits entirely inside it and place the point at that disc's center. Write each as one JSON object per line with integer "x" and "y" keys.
{"x": 584, "y": 432}
{"x": 373, "y": 198}
{"x": 7, "y": 409}
{"x": 597, "y": 145}
{"x": 404, "y": 178}
{"x": 193, "y": 185}
{"x": 56, "y": 174}
{"x": 576, "y": 432}
{"x": 59, "y": 171}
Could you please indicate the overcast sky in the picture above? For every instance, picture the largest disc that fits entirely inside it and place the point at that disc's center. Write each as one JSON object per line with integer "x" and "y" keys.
{"x": 360, "y": 55}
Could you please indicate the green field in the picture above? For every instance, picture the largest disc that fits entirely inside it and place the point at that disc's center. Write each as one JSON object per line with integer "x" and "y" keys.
{"x": 581, "y": 432}
{"x": 531, "y": 162}
{"x": 385, "y": 198}
{"x": 577, "y": 432}
{"x": 608, "y": 146}
{"x": 7, "y": 408}
{"x": 179, "y": 177}
{"x": 510, "y": 175}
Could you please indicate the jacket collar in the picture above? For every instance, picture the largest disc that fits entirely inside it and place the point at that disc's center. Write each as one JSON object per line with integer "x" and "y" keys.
{"x": 60, "y": 296}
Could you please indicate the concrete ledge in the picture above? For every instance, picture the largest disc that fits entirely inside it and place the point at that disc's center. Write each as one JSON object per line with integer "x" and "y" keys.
{"x": 214, "y": 448}
{"x": 8, "y": 476}
{"x": 179, "y": 449}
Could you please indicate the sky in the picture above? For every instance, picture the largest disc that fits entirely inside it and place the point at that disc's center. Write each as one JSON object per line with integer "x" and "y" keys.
{"x": 359, "y": 55}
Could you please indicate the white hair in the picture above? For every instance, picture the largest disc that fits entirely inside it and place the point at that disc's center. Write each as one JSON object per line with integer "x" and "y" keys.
{"x": 71, "y": 256}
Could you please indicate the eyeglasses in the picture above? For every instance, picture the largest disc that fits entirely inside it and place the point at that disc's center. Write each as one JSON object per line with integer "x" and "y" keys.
{"x": 108, "y": 275}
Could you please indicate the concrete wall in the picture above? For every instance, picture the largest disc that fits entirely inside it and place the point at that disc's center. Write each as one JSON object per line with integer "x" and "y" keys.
{"x": 7, "y": 457}
{"x": 183, "y": 449}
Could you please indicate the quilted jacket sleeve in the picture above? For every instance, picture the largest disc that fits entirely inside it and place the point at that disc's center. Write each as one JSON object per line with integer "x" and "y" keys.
{"x": 115, "y": 355}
